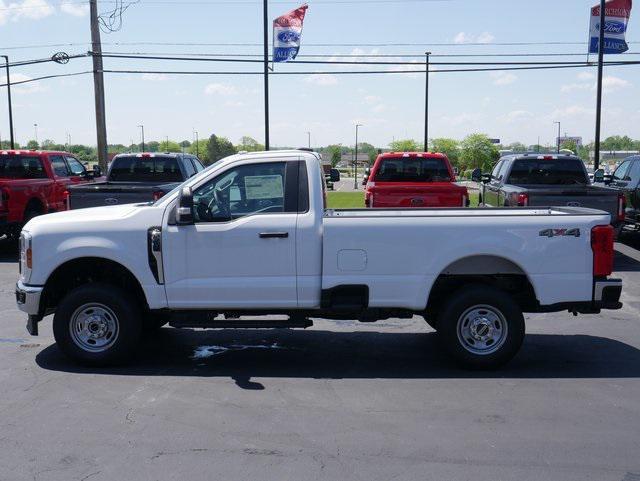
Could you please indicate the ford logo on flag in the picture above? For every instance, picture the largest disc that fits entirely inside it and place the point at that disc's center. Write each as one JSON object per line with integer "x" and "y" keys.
{"x": 288, "y": 36}
{"x": 613, "y": 26}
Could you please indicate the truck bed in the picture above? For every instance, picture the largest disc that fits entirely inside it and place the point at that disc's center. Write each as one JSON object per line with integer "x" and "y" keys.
{"x": 110, "y": 193}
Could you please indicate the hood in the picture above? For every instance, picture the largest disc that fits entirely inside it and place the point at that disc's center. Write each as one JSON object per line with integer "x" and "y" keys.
{"x": 84, "y": 219}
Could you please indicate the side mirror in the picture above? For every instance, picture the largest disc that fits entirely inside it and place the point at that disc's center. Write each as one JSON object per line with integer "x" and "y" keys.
{"x": 184, "y": 212}
{"x": 598, "y": 175}
{"x": 476, "y": 175}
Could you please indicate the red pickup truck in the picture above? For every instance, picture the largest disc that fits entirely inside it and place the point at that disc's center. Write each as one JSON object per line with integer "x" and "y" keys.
{"x": 34, "y": 182}
{"x": 413, "y": 179}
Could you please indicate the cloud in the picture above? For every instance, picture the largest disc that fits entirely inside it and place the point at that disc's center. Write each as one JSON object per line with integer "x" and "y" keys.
{"x": 220, "y": 89}
{"x": 586, "y": 76}
{"x": 611, "y": 83}
{"x": 572, "y": 111}
{"x": 28, "y": 88}
{"x": 503, "y": 78}
{"x": 575, "y": 86}
{"x": 484, "y": 37}
{"x": 24, "y": 10}
{"x": 517, "y": 116}
{"x": 463, "y": 118}
{"x": 155, "y": 77}
{"x": 322, "y": 80}
{"x": 74, "y": 9}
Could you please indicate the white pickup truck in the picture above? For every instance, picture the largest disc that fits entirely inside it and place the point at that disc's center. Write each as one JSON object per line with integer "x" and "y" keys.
{"x": 251, "y": 236}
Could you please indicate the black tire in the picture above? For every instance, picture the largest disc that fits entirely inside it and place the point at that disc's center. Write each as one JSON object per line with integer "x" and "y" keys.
{"x": 481, "y": 327}
{"x": 153, "y": 321}
{"x": 115, "y": 303}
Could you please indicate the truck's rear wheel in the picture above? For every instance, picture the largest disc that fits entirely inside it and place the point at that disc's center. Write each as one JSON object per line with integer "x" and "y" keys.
{"x": 97, "y": 324}
{"x": 481, "y": 327}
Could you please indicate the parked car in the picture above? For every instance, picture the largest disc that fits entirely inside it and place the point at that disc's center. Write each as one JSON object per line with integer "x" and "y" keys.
{"x": 413, "y": 179}
{"x": 625, "y": 179}
{"x": 250, "y": 235}
{"x": 528, "y": 180}
{"x": 133, "y": 178}
{"x": 34, "y": 182}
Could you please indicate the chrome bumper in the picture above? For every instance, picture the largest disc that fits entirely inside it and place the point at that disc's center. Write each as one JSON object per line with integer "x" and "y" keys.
{"x": 28, "y": 298}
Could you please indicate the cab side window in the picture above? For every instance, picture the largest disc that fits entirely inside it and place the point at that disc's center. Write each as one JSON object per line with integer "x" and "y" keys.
{"x": 75, "y": 166}
{"x": 634, "y": 172}
{"x": 241, "y": 191}
{"x": 59, "y": 166}
{"x": 622, "y": 171}
{"x": 496, "y": 170}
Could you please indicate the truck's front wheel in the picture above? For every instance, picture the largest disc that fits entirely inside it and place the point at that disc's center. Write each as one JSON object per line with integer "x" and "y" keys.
{"x": 481, "y": 327}
{"x": 97, "y": 324}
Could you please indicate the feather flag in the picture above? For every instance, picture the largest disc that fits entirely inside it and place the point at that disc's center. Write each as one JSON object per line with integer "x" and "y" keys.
{"x": 287, "y": 32}
{"x": 617, "y": 14}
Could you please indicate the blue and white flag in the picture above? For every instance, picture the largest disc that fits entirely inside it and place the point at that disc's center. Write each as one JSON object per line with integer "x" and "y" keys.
{"x": 617, "y": 14}
{"x": 287, "y": 32}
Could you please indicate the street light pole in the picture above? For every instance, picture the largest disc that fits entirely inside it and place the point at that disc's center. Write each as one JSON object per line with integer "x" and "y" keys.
{"x": 35, "y": 129}
{"x": 558, "y": 140}
{"x": 426, "y": 104}
{"x": 355, "y": 162}
{"x": 197, "y": 150}
{"x": 142, "y": 128}
{"x": 309, "y": 139}
{"x": 6, "y": 63}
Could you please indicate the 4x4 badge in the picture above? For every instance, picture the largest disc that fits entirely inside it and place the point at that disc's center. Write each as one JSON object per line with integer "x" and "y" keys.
{"x": 560, "y": 233}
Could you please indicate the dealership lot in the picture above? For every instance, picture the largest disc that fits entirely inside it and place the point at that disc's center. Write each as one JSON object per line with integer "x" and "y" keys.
{"x": 341, "y": 400}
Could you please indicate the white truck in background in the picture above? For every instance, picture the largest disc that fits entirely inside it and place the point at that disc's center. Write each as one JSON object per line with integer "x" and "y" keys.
{"x": 251, "y": 235}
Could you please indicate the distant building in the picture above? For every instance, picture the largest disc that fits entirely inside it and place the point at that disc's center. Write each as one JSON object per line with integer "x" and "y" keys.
{"x": 576, "y": 140}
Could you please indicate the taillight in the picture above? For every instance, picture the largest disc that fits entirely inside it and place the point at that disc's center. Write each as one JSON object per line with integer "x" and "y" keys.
{"x": 65, "y": 197}
{"x": 523, "y": 200}
{"x": 602, "y": 247}
{"x": 622, "y": 206}
{"x": 157, "y": 195}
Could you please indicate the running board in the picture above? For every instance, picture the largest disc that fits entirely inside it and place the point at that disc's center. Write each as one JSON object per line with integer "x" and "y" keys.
{"x": 193, "y": 322}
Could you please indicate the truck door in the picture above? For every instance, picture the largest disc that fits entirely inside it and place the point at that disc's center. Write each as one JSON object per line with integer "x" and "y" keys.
{"x": 626, "y": 178}
{"x": 240, "y": 252}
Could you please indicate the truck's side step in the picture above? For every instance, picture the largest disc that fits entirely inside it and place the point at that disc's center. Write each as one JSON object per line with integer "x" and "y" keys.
{"x": 193, "y": 321}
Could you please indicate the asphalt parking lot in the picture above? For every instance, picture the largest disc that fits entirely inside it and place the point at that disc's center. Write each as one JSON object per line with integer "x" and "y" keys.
{"x": 338, "y": 401}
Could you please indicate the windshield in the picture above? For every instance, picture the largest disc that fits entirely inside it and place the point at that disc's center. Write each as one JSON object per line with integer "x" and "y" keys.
{"x": 21, "y": 167}
{"x": 548, "y": 172}
{"x": 412, "y": 170}
{"x": 145, "y": 169}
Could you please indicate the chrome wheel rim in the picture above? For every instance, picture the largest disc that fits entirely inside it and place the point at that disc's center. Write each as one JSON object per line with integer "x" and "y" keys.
{"x": 94, "y": 327}
{"x": 482, "y": 330}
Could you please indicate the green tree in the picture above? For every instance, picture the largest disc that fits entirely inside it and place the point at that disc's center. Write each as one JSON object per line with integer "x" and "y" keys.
{"x": 448, "y": 147}
{"x": 169, "y": 146}
{"x": 6, "y": 144}
{"x": 570, "y": 145}
{"x": 249, "y": 144}
{"x": 477, "y": 151}
{"x": 200, "y": 150}
{"x": 32, "y": 145}
{"x": 333, "y": 153}
{"x": 406, "y": 145}
{"x": 184, "y": 145}
{"x": 368, "y": 149}
{"x": 219, "y": 148}
{"x": 517, "y": 147}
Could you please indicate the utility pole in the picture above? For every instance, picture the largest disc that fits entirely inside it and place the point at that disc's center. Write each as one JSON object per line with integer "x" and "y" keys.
{"x": 265, "y": 18}
{"x": 596, "y": 160}
{"x": 355, "y": 162}
{"x": 98, "y": 85}
{"x": 197, "y": 150}
{"x": 35, "y": 130}
{"x": 426, "y": 103}
{"x": 558, "y": 139}
{"x": 142, "y": 128}
{"x": 6, "y": 63}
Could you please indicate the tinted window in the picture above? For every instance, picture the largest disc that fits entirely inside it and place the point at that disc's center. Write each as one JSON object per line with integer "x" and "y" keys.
{"x": 198, "y": 165}
{"x": 145, "y": 169}
{"x": 548, "y": 172}
{"x": 622, "y": 171}
{"x": 21, "y": 167}
{"x": 634, "y": 172}
{"x": 412, "y": 170}
{"x": 244, "y": 190}
{"x": 496, "y": 169}
{"x": 59, "y": 166}
{"x": 188, "y": 166}
{"x": 75, "y": 166}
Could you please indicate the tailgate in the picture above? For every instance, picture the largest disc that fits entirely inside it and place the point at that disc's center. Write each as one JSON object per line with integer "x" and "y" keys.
{"x": 592, "y": 198}
{"x": 81, "y": 197}
{"x": 432, "y": 194}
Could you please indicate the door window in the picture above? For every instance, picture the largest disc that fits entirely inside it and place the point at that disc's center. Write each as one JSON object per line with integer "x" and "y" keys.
{"x": 241, "y": 191}
{"x": 634, "y": 172}
{"x": 59, "y": 166}
{"x": 75, "y": 166}
{"x": 188, "y": 166}
{"x": 496, "y": 169}
{"x": 622, "y": 170}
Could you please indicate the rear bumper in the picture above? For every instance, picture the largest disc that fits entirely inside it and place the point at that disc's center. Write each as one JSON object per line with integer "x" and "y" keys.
{"x": 606, "y": 295}
{"x": 28, "y": 300}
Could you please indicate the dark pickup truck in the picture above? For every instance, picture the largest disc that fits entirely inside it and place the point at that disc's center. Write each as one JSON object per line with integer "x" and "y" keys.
{"x": 545, "y": 181}
{"x": 135, "y": 178}
{"x": 626, "y": 180}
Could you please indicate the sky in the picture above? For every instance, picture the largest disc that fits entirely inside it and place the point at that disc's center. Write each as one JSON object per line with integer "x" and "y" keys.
{"x": 512, "y": 106}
